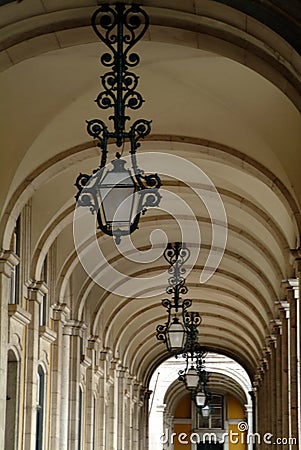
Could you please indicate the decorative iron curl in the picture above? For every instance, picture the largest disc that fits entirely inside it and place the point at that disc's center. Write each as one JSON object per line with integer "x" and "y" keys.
{"x": 166, "y": 303}
{"x": 176, "y": 253}
{"x": 161, "y": 332}
{"x": 136, "y": 22}
{"x": 186, "y": 303}
{"x": 149, "y": 181}
{"x": 96, "y": 128}
{"x": 133, "y": 99}
{"x": 84, "y": 196}
{"x": 130, "y": 81}
{"x": 140, "y": 129}
{"x": 150, "y": 198}
{"x": 105, "y": 100}
{"x": 104, "y": 21}
{"x": 120, "y": 27}
{"x": 108, "y": 80}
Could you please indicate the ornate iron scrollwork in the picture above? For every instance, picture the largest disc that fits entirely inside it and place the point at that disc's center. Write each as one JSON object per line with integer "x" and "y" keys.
{"x": 177, "y": 254}
{"x": 119, "y": 27}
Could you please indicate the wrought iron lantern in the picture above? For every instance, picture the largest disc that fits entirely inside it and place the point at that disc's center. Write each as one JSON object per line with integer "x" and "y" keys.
{"x": 202, "y": 396}
{"x": 191, "y": 379}
{"x": 176, "y": 331}
{"x": 200, "y": 399}
{"x": 119, "y": 196}
{"x": 194, "y": 376}
{"x": 175, "y": 335}
{"x": 206, "y": 411}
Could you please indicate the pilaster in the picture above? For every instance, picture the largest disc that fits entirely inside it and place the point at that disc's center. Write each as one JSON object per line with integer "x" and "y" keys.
{"x": 292, "y": 296}
{"x": 8, "y": 260}
{"x": 91, "y": 414}
{"x": 60, "y": 315}
{"x": 35, "y": 296}
{"x": 101, "y": 417}
{"x": 74, "y": 329}
{"x": 297, "y": 287}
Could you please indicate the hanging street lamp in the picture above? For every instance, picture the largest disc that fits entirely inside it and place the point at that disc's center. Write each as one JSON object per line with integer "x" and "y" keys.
{"x": 195, "y": 376}
{"x": 202, "y": 396}
{"x": 176, "y": 331}
{"x": 200, "y": 399}
{"x": 119, "y": 195}
{"x": 206, "y": 411}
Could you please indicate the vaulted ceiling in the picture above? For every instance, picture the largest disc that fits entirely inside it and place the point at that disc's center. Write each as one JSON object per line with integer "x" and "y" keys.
{"x": 223, "y": 91}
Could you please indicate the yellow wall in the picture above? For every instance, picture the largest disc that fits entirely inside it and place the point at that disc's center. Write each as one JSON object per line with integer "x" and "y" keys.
{"x": 238, "y": 440}
{"x": 183, "y": 411}
{"x": 236, "y": 411}
{"x": 182, "y": 428}
{"x": 183, "y": 408}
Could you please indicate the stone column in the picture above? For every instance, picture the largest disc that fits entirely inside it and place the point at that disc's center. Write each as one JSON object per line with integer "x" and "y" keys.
{"x": 74, "y": 328}
{"x": 102, "y": 371}
{"x": 277, "y": 329}
{"x": 121, "y": 413}
{"x": 263, "y": 410}
{"x": 7, "y": 262}
{"x": 138, "y": 404}
{"x": 249, "y": 414}
{"x": 273, "y": 385}
{"x": 112, "y": 432}
{"x": 64, "y": 422}
{"x": 60, "y": 315}
{"x": 129, "y": 417}
{"x": 92, "y": 349}
{"x": 143, "y": 425}
{"x": 294, "y": 339}
{"x": 35, "y": 297}
{"x": 285, "y": 412}
{"x": 297, "y": 286}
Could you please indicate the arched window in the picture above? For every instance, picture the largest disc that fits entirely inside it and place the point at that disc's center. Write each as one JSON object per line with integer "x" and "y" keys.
{"x": 94, "y": 424}
{"x": 44, "y": 303}
{"x": 15, "y": 277}
{"x": 12, "y": 402}
{"x": 80, "y": 417}
{"x": 40, "y": 409}
{"x": 215, "y": 419}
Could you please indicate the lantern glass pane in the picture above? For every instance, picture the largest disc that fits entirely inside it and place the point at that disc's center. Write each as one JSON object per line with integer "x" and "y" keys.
{"x": 117, "y": 192}
{"x": 206, "y": 411}
{"x": 192, "y": 378}
{"x": 200, "y": 399}
{"x": 176, "y": 336}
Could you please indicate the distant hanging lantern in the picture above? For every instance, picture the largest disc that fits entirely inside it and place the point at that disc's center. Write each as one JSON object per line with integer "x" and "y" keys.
{"x": 175, "y": 332}
{"x": 200, "y": 399}
{"x": 175, "y": 336}
{"x": 206, "y": 411}
{"x": 191, "y": 379}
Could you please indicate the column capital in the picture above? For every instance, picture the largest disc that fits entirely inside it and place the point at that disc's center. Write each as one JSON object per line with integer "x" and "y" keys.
{"x": 248, "y": 408}
{"x": 292, "y": 284}
{"x": 8, "y": 260}
{"x": 296, "y": 254}
{"x": 271, "y": 341}
{"x": 74, "y": 328}
{"x": 123, "y": 372}
{"x": 93, "y": 342}
{"x": 106, "y": 355}
{"x": 36, "y": 291}
{"x": 277, "y": 327}
{"x": 114, "y": 367}
{"x": 284, "y": 307}
{"x": 60, "y": 312}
